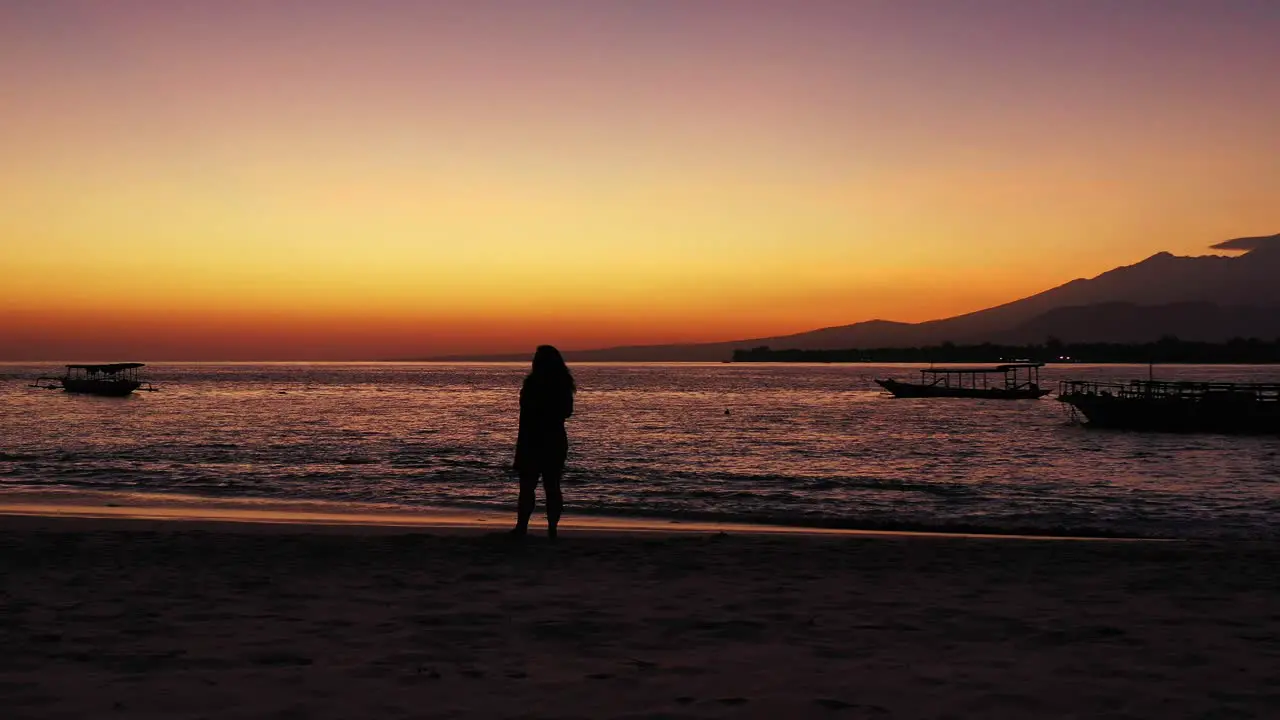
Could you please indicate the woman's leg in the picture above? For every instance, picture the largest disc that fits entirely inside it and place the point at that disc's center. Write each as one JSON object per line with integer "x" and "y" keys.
{"x": 555, "y": 501}
{"x": 524, "y": 507}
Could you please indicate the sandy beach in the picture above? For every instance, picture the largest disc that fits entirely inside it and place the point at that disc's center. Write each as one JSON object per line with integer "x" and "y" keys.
{"x": 132, "y": 618}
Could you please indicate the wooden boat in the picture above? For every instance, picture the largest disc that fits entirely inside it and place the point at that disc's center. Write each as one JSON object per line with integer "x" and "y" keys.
{"x": 1012, "y": 381}
{"x": 1176, "y": 406}
{"x": 112, "y": 380}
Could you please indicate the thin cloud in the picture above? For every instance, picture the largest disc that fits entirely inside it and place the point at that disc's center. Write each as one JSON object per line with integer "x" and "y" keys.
{"x": 1248, "y": 244}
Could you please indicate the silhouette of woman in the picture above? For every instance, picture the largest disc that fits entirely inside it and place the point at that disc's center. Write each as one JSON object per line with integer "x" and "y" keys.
{"x": 546, "y": 401}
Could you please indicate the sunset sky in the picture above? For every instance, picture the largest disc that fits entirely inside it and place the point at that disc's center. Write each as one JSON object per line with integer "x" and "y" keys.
{"x": 327, "y": 179}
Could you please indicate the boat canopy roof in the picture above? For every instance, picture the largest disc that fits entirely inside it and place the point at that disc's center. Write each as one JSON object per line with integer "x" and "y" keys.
{"x": 108, "y": 368}
{"x": 997, "y": 369}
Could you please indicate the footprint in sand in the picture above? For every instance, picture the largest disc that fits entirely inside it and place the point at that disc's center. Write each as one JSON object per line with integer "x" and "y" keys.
{"x": 838, "y": 704}
{"x": 279, "y": 659}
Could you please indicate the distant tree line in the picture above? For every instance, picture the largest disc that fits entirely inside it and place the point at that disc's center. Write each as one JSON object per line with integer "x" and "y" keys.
{"x": 1165, "y": 350}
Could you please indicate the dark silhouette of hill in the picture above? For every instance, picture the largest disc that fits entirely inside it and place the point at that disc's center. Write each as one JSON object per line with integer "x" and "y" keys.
{"x": 1129, "y": 323}
{"x": 1053, "y": 350}
{"x": 1210, "y": 297}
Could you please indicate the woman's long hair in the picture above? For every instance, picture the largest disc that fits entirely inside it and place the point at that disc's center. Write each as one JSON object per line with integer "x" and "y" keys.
{"x": 549, "y": 371}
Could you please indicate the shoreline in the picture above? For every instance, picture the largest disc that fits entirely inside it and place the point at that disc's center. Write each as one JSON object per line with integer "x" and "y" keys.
{"x": 113, "y": 508}
{"x": 141, "y": 618}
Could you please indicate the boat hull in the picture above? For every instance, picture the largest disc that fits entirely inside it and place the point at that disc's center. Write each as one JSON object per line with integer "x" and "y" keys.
{"x": 915, "y": 390}
{"x": 106, "y": 388}
{"x": 1228, "y": 415}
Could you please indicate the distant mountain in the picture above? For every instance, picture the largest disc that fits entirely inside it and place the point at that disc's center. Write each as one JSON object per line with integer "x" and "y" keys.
{"x": 1129, "y": 323}
{"x": 1210, "y": 297}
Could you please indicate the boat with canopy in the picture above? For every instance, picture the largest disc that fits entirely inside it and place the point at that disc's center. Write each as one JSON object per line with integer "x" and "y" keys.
{"x": 1176, "y": 406}
{"x": 1011, "y": 381}
{"x": 110, "y": 379}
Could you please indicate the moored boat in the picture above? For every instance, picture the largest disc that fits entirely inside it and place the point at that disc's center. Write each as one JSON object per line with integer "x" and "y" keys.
{"x": 1011, "y": 381}
{"x": 1176, "y": 406}
{"x": 110, "y": 379}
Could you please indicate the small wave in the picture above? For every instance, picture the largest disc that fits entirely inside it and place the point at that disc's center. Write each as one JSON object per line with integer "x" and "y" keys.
{"x": 464, "y": 463}
{"x": 358, "y": 460}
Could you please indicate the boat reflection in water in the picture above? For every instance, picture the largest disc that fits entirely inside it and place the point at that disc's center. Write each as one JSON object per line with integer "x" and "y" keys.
{"x": 111, "y": 380}
{"x": 1012, "y": 381}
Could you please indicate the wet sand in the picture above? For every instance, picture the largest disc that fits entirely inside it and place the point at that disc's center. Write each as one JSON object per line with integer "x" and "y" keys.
{"x": 126, "y": 618}
{"x": 321, "y": 516}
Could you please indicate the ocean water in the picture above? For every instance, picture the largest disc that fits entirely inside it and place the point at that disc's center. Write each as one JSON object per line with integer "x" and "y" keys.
{"x": 793, "y": 444}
